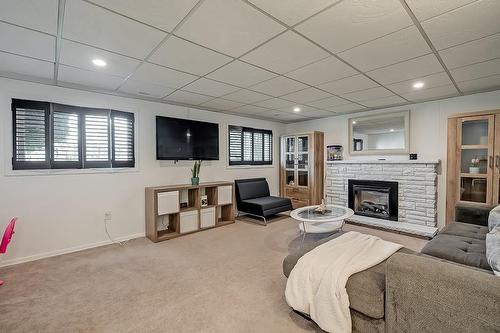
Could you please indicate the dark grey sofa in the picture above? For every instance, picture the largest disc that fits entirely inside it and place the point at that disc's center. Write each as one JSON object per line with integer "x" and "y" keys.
{"x": 417, "y": 292}
{"x": 253, "y": 197}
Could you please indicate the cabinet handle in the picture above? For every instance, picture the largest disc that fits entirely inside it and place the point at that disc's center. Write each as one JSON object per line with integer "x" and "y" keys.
{"x": 491, "y": 161}
{"x": 497, "y": 161}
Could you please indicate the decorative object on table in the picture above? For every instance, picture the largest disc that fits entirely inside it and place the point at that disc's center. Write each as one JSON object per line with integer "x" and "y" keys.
{"x": 321, "y": 209}
{"x": 413, "y": 157}
{"x": 474, "y": 165}
{"x": 195, "y": 173}
{"x": 358, "y": 145}
{"x": 334, "y": 153}
{"x": 204, "y": 200}
{"x": 7, "y": 237}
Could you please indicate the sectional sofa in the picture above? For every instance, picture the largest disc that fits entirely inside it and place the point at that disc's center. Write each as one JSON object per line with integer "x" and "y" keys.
{"x": 448, "y": 287}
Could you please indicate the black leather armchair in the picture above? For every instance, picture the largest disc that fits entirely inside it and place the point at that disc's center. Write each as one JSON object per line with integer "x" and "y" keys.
{"x": 253, "y": 198}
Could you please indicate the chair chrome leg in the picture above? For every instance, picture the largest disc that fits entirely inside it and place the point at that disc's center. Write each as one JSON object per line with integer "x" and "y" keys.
{"x": 265, "y": 221}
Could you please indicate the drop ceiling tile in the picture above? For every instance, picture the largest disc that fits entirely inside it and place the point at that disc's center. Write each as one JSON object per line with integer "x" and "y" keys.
{"x": 292, "y": 11}
{"x": 246, "y": 96}
{"x": 306, "y": 95}
{"x": 399, "y": 46}
{"x": 464, "y": 24}
{"x": 186, "y": 97}
{"x": 363, "y": 20}
{"x": 221, "y": 104}
{"x": 35, "y": 14}
{"x": 346, "y": 108}
{"x": 285, "y": 53}
{"x": 349, "y": 84}
{"x": 425, "y": 9}
{"x": 27, "y": 42}
{"x": 486, "y": 83}
{"x": 322, "y": 71}
{"x": 328, "y": 102}
{"x": 99, "y": 27}
{"x": 250, "y": 109}
{"x": 476, "y": 71}
{"x": 81, "y": 56}
{"x": 275, "y": 103}
{"x": 431, "y": 93}
{"x": 145, "y": 89}
{"x": 472, "y": 52}
{"x": 241, "y": 74}
{"x": 407, "y": 70}
{"x": 368, "y": 94}
{"x": 229, "y": 26}
{"x": 278, "y": 86}
{"x": 384, "y": 101}
{"x": 430, "y": 81}
{"x": 188, "y": 57}
{"x": 316, "y": 113}
{"x": 162, "y": 76}
{"x": 283, "y": 116}
{"x": 10, "y": 63}
{"x": 88, "y": 78}
{"x": 209, "y": 87}
{"x": 161, "y": 14}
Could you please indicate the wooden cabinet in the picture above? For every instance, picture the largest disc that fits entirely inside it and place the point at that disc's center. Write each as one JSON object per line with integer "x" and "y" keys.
{"x": 166, "y": 218}
{"x": 301, "y": 170}
{"x": 473, "y": 137}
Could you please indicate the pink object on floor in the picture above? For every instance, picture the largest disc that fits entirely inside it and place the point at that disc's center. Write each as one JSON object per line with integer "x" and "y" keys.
{"x": 7, "y": 236}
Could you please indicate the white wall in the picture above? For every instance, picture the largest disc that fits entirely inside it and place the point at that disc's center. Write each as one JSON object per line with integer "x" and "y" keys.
{"x": 428, "y": 124}
{"x": 64, "y": 212}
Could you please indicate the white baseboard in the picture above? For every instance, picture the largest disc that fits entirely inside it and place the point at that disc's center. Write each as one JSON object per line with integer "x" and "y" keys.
{"x": 49, "y": 254}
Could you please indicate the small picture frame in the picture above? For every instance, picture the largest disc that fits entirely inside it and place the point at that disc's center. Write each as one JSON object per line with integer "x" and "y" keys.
{"x": 204, "y": 201}
{"x": 413, "y": 156}
{"x": 184, "y": 204}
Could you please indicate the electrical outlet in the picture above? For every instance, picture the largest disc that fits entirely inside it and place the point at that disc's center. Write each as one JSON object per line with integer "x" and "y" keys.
{"x": 107, "y": 216}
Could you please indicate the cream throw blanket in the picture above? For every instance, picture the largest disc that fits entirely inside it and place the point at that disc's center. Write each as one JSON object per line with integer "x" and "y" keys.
{"x": 317, "y": 284}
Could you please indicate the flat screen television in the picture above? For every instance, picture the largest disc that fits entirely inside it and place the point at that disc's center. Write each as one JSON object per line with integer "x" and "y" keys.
{"x": 183, "y": 139}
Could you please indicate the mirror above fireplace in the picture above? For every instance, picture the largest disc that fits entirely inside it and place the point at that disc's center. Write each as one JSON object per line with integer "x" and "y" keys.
{"x": 387, "y": 133}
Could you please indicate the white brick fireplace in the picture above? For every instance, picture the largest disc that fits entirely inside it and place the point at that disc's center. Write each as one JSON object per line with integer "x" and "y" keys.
{"x": 417, "y": 191}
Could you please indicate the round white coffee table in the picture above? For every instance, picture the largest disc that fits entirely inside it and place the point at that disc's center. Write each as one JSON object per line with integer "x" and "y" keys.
{"x": 313, "y": 222}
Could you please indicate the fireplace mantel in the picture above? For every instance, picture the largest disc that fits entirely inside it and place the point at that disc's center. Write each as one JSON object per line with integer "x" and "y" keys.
{"x": 417, "y": 197}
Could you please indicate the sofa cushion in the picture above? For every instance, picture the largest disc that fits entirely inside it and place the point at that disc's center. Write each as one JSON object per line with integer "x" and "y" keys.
{"x": 463, "y": 250}
{"x": 268, "y": 203}
{"x": 366, "y": 289}
{"x": 494, "y": 218}
{"x": 493, "y": 249}
{"x": 465, "y": 230}
{"x": 253, "y": 189}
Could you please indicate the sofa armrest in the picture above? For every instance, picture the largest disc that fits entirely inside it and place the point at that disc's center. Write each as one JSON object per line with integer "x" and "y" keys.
{"x": 424, "y": 294}
{"x": 472, "y": 214}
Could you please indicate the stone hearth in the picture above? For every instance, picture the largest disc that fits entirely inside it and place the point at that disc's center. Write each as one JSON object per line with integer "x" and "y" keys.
{"x": 417, "y": 199}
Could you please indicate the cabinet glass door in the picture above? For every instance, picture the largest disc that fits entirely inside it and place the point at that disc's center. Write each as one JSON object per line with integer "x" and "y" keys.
{"x": 303, "y": 160}
{"x": 476, "y": 158}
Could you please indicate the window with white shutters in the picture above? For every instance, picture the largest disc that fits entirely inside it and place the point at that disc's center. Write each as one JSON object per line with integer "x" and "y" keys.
{"x": 56, "y": 136}
{"x": 250, "y": 146}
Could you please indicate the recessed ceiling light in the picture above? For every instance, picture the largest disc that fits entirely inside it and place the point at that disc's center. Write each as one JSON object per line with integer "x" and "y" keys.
{"x": 354, "y": 121}
{"x": 418, "y": 85}
{"x": 99, "y": 62}
{"x": 297, "y": 109}
{"x": 392, "y": 129}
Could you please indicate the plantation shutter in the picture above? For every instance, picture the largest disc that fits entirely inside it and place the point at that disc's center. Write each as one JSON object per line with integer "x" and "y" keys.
{"x": 31, "y": 138}
{"x": 249, "y": 146}
{"x": 66, "y": 137}
{"x": 96, "y": 148}
{"x": 122, "y": 133}
{"x": 235, "y": 141}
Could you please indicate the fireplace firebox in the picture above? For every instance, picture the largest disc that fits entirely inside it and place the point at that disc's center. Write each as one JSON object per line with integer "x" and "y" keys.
{"x": 373, "y": 198}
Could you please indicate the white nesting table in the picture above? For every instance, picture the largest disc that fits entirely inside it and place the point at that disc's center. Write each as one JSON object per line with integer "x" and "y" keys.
{"x": 313, "y": 222}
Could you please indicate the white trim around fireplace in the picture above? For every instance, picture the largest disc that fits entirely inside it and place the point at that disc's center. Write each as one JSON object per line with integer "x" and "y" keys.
{"x": 417, "y": 197}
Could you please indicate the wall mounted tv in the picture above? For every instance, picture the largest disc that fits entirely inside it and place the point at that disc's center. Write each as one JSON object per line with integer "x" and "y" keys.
{"x": 183, "y": 139}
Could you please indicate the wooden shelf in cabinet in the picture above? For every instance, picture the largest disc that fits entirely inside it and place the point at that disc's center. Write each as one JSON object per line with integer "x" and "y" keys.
{"x": 473, "y": 175}
{"x": 475, "y": 147}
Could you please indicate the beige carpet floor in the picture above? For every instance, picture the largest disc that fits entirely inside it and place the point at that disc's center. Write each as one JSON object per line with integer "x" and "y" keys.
{"x": 227, "y": 279}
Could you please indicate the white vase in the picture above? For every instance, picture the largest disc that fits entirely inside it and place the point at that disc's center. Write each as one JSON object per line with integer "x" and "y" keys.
{"x": 473, "y": 169}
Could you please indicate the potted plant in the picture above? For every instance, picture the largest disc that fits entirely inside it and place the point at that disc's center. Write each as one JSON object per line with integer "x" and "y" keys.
{"x": 195, "y": 173}
{"x": 474, "y": 165}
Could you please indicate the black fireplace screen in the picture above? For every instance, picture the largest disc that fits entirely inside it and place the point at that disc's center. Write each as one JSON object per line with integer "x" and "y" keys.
{"x": 372, "y": 198}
